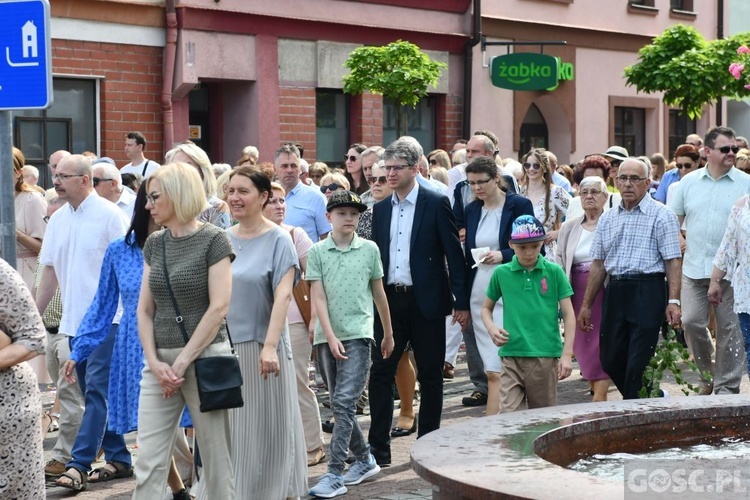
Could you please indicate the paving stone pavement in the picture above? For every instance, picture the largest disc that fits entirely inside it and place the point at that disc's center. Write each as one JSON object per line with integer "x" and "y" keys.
{"x": 397, "y": 482}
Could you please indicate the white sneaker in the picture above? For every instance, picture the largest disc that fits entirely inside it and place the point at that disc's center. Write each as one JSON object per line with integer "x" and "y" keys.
{"x": 359, "y": 471}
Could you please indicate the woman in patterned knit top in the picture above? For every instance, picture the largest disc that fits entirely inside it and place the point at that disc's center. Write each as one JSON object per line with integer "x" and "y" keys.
{"x": 196, "y": 257}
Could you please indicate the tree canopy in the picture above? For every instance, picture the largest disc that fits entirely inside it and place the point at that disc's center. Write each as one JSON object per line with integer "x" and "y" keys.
{"x": 691, "y": 71}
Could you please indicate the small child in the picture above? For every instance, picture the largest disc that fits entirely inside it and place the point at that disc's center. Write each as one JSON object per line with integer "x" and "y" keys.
{"x": 345, "y": 274}
{"x": 532, "y": 288}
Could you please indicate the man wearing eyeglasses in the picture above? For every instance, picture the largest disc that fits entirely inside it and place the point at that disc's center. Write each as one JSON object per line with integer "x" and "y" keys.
{"x": 76, "y": 239}
{"x": 108, "y": 185}
{"x": 703, "y": 200}
{"x": 637, "y": 245}
{"x": 416, "y": 234}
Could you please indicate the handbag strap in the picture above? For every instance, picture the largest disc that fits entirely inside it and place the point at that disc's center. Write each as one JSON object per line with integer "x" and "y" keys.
{"x": 178, "y": 318}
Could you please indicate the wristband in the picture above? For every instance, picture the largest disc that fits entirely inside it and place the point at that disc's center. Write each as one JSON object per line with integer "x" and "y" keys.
{"x": 676, "y": 302}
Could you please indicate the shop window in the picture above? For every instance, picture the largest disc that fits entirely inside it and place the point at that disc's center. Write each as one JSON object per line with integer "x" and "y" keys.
{"x": 331, "y": 125}
{"x": 71, "y": 123}
{"x": 630, "y": 129}
{"x": 420, "y": 122}
{"x": 680, "y": 126}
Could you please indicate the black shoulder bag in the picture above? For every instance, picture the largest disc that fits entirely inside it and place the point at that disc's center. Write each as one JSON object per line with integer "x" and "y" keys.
{"x": 219, "y": 377}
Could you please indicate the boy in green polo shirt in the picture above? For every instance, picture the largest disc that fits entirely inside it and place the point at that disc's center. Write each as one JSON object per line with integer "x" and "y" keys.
{"x": 532, "y": 289}
{"x": 346, "y": 276}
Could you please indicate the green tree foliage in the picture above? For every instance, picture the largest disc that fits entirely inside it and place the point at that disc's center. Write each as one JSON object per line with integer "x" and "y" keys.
{"x": 691, "y": 71}
{"x": 399, "y": 71}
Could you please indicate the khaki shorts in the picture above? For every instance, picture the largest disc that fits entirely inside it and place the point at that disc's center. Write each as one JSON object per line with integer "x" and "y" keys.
{"x": 531, "y": 379}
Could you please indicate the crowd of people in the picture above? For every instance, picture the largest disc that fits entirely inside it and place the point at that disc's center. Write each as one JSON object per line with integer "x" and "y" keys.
{"x": 377, "y": 271}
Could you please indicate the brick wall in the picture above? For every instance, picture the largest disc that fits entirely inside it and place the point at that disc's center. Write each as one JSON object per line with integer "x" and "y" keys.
{"x": 297, "y": 117}
{"x": 449, "y": 121}
{"x": 366, "y": 119}
{"x": 130, "y": 90}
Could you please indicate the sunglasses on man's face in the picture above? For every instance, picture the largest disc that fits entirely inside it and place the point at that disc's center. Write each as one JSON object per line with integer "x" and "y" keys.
{"x": 726, "y": 149}
{"x": 377, "y": 180}
{"x": 687, "y": 165}
{"x": 331, "y": 187}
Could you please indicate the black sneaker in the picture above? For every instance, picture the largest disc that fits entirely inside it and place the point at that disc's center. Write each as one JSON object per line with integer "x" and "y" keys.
{"x": 327, "y": 426}
{"x": 476, "y": 399}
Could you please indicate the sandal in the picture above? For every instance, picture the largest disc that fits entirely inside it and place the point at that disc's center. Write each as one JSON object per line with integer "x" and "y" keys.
{"x": 76, "y": 483}
{"x": 105, "y": 474}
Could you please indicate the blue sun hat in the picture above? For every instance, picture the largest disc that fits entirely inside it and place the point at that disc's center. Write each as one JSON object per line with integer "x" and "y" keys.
{"x": 527, "y": 229}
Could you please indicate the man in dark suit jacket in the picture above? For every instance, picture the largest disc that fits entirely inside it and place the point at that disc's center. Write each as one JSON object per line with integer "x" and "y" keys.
{"x": 416, "y": 233}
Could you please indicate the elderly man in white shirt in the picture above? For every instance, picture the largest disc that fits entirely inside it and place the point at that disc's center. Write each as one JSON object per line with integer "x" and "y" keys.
{"x": 108, "y": 184}
{"x": 77, "y": 237}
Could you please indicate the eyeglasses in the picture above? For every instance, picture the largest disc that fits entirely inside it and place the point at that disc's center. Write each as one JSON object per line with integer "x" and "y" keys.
{"x": 377, "y": 180}
{"x": 151, "y": 198}
{"x": 529, "y": 166}
{"x": 726, "y": 149}
{"x": 351, "y": 158}
{"x": 592, "y": 192}
{"x": 630, "y": 178}
{"x": 397, "y": 168}
{"x": 97, "y": 180}
{"x": 478, "y": 183}
{"x": 688, "y": 165}
{"x": 331, "y": 187}
{"x": 45, "y": 218}
{"x": 62, "y": 177}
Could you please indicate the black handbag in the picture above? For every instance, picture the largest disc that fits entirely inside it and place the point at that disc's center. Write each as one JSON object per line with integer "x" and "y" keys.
{"x": 219, "y": 377}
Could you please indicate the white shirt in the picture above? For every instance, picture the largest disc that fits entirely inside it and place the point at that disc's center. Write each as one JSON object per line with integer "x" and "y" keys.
{"x": 402, "y": 220}
{"x": 74, "y": 245}
{"x": 138, "y": 169}
{"x": 127, "y": 202}
{"x": 456, "y": 175}
{"x": 575, "y": 209}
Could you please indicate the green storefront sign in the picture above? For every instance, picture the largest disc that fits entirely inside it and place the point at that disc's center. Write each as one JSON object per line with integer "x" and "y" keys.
{"x": 529, "y": 71}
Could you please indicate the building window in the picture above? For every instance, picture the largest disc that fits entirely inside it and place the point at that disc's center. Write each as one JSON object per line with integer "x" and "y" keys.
{"x": 680, "y": 126}
{"x": 630, "y": 129}
{"x": 71, "y": 123}
{"x": 420, "y": 122}
{"x": 331, "y": 125}
{"x": 642, "y": 3}
{"x": 682, "y": 5}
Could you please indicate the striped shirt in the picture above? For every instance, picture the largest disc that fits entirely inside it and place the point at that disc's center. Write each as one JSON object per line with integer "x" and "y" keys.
{"x": 637, "y": 241}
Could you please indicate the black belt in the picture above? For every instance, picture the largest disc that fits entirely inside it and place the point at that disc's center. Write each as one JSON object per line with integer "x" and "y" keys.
{"x": 637, "y": 277}
{"x": 53, "y": 330}
{"x": 400, "y": 288}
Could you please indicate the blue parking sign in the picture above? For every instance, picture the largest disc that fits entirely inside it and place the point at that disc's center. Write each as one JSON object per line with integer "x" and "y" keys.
{"x": 25, "y": 55}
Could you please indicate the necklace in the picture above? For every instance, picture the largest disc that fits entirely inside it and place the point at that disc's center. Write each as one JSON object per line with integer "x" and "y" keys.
{"x": 244, "y": 239}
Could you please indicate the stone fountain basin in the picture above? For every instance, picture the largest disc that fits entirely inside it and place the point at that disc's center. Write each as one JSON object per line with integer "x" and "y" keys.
{"x": 524, "y": 454}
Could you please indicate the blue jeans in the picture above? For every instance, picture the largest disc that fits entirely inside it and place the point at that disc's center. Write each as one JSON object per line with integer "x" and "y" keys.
{"x": 93, "y": 377}
{"x": 745, "y": 327}
{"x": 346, "y": 381}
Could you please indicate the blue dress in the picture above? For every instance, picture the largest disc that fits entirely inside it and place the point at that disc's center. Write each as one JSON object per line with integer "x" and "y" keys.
{"x": 121, "y": 274}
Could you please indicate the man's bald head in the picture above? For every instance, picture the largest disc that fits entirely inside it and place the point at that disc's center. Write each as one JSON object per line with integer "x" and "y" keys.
{"x": 55, "y": 158}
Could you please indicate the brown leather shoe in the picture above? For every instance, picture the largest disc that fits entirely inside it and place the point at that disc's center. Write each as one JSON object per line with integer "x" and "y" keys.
{"x": 54, "y": 468}
{"x": 448, "y": 370}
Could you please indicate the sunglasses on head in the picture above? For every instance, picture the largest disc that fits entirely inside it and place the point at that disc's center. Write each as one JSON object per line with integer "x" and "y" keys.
{"x": 726, "y": 149}
{"x": 351, "y": 158}
{"x": 377, "y": 180}
{"x": 534, "y": 166}
{"x": 331, "y": 187}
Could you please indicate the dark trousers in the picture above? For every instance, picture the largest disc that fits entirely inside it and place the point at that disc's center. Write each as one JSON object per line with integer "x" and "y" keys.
{"x": 427, "y": 338}
{"x": 632, "y": 313}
